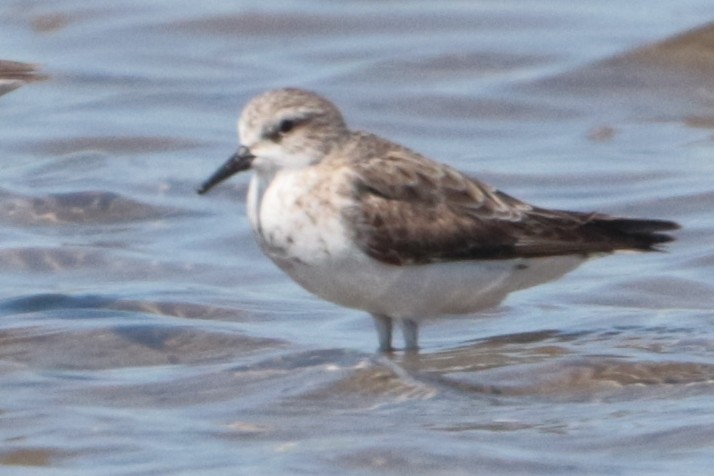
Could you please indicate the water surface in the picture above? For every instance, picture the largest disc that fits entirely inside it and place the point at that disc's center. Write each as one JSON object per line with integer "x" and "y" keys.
{"x": 142, "y": 332}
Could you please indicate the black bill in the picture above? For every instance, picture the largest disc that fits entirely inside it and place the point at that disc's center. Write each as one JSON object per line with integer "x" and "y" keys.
{"x": 238, "y": 162}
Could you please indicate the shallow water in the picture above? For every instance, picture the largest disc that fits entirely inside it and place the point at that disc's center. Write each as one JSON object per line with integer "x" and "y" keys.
{"x": 142, "y": 332}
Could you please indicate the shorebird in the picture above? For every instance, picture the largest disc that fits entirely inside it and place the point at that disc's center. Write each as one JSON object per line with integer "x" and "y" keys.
{"x": 366, "y": 223}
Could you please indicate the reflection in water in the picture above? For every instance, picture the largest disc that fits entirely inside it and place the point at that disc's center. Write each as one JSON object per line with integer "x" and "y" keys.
{"x": 557, "y": 365}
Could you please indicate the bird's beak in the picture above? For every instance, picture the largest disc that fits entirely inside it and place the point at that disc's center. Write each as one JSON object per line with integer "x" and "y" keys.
{"x": 238, "y": 162}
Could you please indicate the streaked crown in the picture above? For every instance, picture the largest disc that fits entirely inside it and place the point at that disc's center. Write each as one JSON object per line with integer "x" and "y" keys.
{"x": 290, "y": 128}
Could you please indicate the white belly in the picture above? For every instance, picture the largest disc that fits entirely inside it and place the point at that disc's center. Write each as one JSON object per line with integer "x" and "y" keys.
{"x": 419, "y": 291}
{"x": 304, "y": 235}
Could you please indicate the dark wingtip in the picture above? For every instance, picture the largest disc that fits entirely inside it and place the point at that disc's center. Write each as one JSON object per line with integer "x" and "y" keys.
{"x": 665, "y": 225}
{"x": 642, "y": 234}
{"x": 644, "y": 225}
{"x": 655, "y": 242}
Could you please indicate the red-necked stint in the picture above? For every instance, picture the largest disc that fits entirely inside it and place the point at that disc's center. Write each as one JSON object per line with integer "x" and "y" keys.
{"x": 369, "y": 224}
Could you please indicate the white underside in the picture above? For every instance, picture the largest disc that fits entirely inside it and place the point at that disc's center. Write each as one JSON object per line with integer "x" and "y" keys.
{"x": 303, "y": 233}
{"x": 422, "y": 291}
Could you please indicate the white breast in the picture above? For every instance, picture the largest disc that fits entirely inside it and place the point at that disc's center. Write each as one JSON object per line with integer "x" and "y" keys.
{"x": 296, "y": 217}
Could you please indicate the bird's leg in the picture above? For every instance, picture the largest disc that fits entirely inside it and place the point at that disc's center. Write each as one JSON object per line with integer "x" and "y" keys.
{"x": 410, "y": 330}
{"x": 384, "y": 331}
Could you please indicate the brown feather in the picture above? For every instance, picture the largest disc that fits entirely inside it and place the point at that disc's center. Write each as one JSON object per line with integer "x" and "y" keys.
{"x": 412, "y": 210}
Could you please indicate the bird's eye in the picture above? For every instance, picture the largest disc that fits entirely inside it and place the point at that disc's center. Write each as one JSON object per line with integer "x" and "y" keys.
{"x": 286, "y": 125}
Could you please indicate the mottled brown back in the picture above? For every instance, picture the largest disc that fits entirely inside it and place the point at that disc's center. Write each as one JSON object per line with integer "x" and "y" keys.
{"x": 415, "y": 211}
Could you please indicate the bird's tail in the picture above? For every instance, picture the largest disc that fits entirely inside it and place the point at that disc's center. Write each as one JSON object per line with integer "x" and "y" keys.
{"x": 637, "y": 234}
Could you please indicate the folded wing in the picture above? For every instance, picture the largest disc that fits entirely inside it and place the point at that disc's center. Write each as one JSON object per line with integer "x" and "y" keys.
{"x": 415, "y": 211}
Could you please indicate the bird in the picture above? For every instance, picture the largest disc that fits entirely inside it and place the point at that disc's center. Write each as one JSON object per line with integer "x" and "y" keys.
{"x": 368, "y": 224}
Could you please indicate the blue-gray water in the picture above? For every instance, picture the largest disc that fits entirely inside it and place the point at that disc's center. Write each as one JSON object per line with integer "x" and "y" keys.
{"x": 142, "y": 332}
